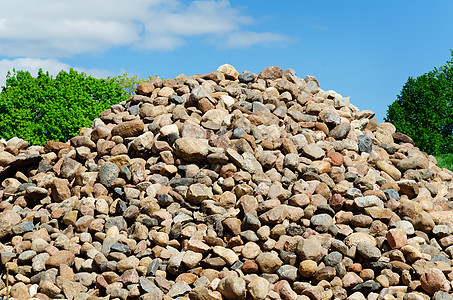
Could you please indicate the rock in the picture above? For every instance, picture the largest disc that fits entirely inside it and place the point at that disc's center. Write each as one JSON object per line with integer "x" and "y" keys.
{"x": 396, "y": 238}
{"x": 258, "y": 288}
{"x": 8, "y": 219}
{"x": 368, "y": 251}
{"x": 226, "y": 254}
{"x": 19, "y": 291}
{"x": 178, "y": 289}
{"x": 341, "y": 131}
{"x": 191, "y": 149}
{"x": 351, "y": 279}
{"x": 310, "y": 249}
{"x": 268, "y": 262}
{"x": 365, "y": 144}
{"x": 287, "y": 272}
{"x": 368, "y": 201}
{"x": 61, "y": 257}
{"x": 227, "y": 186}
{"x": 401, "y": 137}
{"x": 313, "y": 151}
{"x": 271, "y": 73}
{"x": 108, "y": 172}
{"x": 246, "y": 77}
{"x": 128, "y": 128}
{"x": 6, "y": 158}
{"x": 434, "y": 280}
{"x": 308, "y": 267}
{"x": 69, "y": 168}
{"x": 145, "y": 88}
{"x": 232, "y": 288}
{"x": 198, "y": 192}
{"x": 229, "y": 71}
{"x": 389, "y": 169}
{"x": 202, "y": 293}
{"x": 359, "y": 237}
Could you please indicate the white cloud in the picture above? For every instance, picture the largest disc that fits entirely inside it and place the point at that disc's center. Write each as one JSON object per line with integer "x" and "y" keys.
{"x": 248, "y": 38}
{"x": 48, "y": 28}
{"x": 47, "y": 65}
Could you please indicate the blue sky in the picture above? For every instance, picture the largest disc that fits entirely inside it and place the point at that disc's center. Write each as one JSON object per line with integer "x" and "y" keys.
{"x": 362, "y": 49}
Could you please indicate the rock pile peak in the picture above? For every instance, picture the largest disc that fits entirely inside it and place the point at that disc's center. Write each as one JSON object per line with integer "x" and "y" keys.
{"x": 226, "y": 186}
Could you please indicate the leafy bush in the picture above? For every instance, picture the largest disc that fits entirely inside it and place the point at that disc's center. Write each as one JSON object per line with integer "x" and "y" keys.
{"x": 424, "y": 110}
{"x": 45, "y": 108}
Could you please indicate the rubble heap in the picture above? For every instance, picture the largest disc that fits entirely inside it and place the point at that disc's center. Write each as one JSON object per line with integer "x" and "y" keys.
{"x": 227, "y": 186}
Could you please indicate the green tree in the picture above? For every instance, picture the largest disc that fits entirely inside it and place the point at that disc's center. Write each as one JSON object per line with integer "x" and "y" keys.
{"x": 424, "y": 110}
{"x": 42, "y": 108}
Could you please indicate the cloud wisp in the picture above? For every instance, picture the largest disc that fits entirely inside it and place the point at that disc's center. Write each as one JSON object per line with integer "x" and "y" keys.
{"x": 61, "y": 29}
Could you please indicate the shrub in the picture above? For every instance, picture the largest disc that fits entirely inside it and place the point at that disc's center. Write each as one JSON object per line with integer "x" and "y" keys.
{"x": 424, "y": 110}
{"x": 42, "y": 108}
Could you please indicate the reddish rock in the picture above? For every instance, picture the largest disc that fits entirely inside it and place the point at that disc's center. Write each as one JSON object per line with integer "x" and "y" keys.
{"x": 396, "y": 238}
{"x": 337, "y": 201}
{"x": 434, "y": 280}
{"x": 250, "y": 266}
{"x": 402, "y": 138}
{"x": 336, "y": 159}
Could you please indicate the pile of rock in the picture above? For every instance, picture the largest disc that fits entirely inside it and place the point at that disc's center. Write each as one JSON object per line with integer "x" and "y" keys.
{"x": 227, "y": 186}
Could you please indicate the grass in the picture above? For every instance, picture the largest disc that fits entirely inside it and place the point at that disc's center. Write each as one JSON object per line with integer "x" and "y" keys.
{"x": 445, "y": 160}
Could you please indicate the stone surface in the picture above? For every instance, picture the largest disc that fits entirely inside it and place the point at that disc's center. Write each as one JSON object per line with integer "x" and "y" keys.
{"x": 227, "y": 186}
{"x": 232, "y": 288}
{"x": 434, "y": 280}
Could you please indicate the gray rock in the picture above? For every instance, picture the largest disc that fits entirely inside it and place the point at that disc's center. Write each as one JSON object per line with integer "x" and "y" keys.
{"x": 406, "y": 226}
{"x": 246, "y": 77}
{"x": 178, "y": 289}
{"x": 258, "y": 107}
{"x": 442, "y": 230}
{"x": 341, "y": 131}
{"x": 153, "y": 266}
{"x": 368, "y": 201}
{"x": 368, "y": 251}
{"x": 442, "y": 296}
{"x": 365, "y": 144}
{"x": 175, "y": 266}
{"x": 119, "y": 222}
{"x": 23, "y": 227}
{"x": 251, "y": 222}
{"x": 391, "y": 194}
{"x": 176, "y": 99}
{"x": 287, "y": 272}
{"x": 108, "y": 172}
{"x": 322, "y": 222}
{"x": 332, "y": 120}
{"x": 26, "y": 256}
{"x": 333, "y": 258}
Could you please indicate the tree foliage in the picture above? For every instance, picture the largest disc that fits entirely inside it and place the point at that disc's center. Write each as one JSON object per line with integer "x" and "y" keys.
{"x": 42, "y": 108}
{"x": 424, "y": 110}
